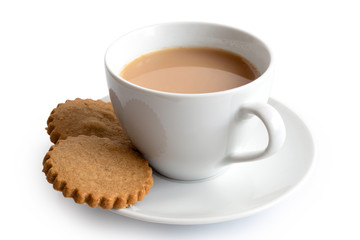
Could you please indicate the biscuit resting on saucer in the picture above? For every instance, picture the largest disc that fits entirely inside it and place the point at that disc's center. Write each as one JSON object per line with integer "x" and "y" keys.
{"x": 85, "y": 117}
{"x": 98, "y": 171}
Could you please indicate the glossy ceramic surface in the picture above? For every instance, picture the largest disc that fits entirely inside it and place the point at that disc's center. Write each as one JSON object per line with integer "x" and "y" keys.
{"x": 194, "y": 136}
{"x": 242, "y": 190}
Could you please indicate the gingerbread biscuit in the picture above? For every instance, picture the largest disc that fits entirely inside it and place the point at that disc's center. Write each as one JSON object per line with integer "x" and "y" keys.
{"x": 85, "y": 117}
{"x": 97, "y": 171}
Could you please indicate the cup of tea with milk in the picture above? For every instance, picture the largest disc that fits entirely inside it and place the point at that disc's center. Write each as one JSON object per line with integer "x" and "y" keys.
{"x": 181, "y": 91}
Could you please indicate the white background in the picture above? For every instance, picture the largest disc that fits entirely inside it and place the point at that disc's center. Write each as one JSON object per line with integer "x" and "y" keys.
{"x": 51, "y": 51}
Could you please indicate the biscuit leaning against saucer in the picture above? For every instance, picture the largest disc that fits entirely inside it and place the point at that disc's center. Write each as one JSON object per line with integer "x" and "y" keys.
{"x": 98, "y": 171}
{"x": 85, "y": 117}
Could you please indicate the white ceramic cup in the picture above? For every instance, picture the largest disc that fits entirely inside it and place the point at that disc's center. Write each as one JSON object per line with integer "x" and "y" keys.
{"x": 190, "y": 136}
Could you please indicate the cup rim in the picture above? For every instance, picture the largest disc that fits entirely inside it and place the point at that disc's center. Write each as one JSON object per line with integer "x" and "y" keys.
{"x": 253, "y": 83}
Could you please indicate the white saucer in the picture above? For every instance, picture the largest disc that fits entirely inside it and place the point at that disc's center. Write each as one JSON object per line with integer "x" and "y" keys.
{"x": 244, "y": 189}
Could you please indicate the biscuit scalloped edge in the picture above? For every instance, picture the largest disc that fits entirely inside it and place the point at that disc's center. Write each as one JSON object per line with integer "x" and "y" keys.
{"x": 89, "y": 198}
{"x": 54, "y": 135}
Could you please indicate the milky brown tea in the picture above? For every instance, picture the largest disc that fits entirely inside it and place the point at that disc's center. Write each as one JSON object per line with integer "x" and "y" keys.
{"x": 190, "y": 70}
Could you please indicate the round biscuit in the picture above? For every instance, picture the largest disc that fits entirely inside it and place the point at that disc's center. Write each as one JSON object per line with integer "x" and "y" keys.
{"x": 85, "y": 117}
{"x": 98, "y": 171}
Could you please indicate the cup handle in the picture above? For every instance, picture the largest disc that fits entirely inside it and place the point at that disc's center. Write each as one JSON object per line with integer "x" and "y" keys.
{"x": 275, "y": 128}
